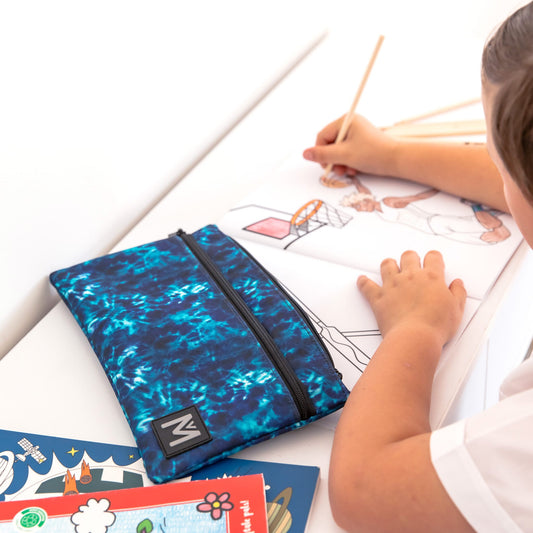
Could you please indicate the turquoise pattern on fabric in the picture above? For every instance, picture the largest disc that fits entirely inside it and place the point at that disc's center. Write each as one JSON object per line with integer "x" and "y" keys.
{"x": 168, "y": 338}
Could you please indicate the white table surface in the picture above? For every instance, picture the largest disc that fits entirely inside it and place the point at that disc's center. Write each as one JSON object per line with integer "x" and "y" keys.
{"x": 51, "y": 381}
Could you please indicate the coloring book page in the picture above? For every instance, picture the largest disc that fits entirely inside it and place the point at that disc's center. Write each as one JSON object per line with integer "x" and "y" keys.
{"x": 328, "y": 294}
{"x": 360, "y": 221}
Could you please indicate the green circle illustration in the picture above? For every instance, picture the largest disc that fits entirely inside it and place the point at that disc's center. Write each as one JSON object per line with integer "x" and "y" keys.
{"x": 30, "y": 519}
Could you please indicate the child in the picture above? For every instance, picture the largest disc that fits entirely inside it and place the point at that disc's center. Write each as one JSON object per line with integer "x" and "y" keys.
{"x": 388, "y": 471}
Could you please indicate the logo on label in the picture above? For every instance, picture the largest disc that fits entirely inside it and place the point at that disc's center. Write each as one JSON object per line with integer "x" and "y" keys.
{"x": 180, "y": 431}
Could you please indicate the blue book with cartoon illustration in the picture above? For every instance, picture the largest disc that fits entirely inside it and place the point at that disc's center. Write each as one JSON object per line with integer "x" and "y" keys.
{"x": 39, "y": 466}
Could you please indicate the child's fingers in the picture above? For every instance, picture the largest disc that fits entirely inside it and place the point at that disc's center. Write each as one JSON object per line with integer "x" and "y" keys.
{"x": 369, "y": 289}
{"x": 331, "y": 153}
{"x": 434, "y": 261}
{"x": 389, "y": 267}
{"x": 458, "y": 290}
{"x": 410, "y": 260}
{"x": 340, "y": 170}
{"x": 328, "y": 135}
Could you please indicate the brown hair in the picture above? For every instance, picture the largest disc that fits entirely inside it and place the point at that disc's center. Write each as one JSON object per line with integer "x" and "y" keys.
{"x": 508, "y": 65}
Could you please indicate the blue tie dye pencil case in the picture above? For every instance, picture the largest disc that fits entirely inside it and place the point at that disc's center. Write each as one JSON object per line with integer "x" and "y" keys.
{"x": 205, "y": 350}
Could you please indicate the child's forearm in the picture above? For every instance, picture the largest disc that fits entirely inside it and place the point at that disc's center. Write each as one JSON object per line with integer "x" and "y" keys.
{"x": 381, "y": 477}
{"x": 464, "y": 170}
{"x": 397, "y": 381}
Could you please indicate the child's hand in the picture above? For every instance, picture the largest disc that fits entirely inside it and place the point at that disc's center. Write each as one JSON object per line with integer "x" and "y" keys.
{"x": 365, "y": 149}
{"x": 415, "y": 296}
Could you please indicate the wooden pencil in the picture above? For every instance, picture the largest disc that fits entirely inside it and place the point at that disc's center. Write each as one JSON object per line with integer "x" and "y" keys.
{"x": 438, "y": 129}
{"x": 348, "y": 117}
{"x": 439, "y": 111}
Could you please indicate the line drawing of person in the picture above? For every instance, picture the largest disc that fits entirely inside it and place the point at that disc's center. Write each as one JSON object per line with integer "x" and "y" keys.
{"x": 482, "y": 226}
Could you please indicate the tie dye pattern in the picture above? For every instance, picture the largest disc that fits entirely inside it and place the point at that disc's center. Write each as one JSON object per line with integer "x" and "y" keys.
{"x": 168, "y": 338}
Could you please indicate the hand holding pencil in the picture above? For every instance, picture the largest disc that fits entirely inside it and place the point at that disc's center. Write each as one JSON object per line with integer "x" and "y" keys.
{"x": 337, "y": 155}
{"x": 351, "y": 144}
{"x": 365, "y": 148}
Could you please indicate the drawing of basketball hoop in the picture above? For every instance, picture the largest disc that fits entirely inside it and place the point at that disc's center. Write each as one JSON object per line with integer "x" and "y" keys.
{"x": 314, "y": 214}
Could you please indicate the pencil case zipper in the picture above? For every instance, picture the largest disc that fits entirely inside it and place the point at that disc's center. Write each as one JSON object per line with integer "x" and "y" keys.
{"x": 296, "y": 388}
{"x": 297, "y": 307}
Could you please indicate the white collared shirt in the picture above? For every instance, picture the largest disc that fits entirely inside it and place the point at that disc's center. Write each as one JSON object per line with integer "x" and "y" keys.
{"x": 486, "y": 462}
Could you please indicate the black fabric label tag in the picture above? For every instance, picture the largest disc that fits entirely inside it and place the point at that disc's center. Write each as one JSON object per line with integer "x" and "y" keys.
{"x": 180, "y": 431}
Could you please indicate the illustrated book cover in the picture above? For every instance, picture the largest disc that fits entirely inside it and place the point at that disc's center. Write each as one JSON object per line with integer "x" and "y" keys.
{"x": 235, "y": 505}
{"x": 40, "y": 466}
{"x": 289, "y": 489}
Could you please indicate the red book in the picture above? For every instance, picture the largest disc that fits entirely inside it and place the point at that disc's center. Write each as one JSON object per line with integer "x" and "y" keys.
{"x": 235, "y": 505}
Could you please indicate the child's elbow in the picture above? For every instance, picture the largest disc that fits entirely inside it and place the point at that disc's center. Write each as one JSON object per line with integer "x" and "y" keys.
{"x": 345, "y": 516}
{"x": 349, "y": 503}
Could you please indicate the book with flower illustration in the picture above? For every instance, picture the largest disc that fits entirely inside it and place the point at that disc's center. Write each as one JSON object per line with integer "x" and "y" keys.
{"x": 212, "y": 506}
{"x": 318, "y": 235}
{"x": 289, "y": 489}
